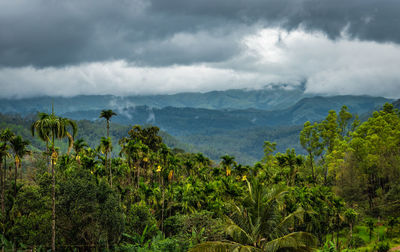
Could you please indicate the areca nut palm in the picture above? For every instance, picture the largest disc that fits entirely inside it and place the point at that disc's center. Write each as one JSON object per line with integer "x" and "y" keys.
{"x": 107, "y": 114}
{"x": 19, "y": 147}
{"x": 49, "y": 127}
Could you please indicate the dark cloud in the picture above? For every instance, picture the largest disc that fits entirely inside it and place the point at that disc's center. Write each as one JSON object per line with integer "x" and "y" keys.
{"x": 46, "y": 33}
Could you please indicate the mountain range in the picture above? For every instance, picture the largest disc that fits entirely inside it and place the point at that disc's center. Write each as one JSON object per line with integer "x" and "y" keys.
{"x": 234, "y": 122}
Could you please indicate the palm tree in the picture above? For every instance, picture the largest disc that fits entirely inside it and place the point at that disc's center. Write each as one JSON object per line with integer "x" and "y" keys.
{"x": 107, "y": 114}
{"x": 19, "y": 147}
{"x": 65, "y": 124}
{"x": 106, "y": 147}
{"x": 291, "y": 160}
{"x": 79, "y": 146}
{"x": 49, "y": 127}
{"x": 259, "y": 225}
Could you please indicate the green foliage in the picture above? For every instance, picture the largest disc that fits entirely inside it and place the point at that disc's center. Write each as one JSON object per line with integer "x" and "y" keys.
{"x": 140, "y": 221}
{"x": 382, "y": 247}
{"x": 88, "y": 212}
{"x": 154, "y": 198}
{"x": 356, "y": 242}
{"x": 30, "y": 216}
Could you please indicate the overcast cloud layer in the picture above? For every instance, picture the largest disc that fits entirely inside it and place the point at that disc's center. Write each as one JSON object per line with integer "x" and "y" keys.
{"x": 50, "y": 47}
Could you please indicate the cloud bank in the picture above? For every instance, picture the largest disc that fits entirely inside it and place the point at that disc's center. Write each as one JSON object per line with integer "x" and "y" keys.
{"x": 68, "y": 48}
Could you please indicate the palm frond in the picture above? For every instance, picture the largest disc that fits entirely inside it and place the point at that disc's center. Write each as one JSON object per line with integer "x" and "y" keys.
{"x": 223, "y": 246}
{"x": 297, "y": 241}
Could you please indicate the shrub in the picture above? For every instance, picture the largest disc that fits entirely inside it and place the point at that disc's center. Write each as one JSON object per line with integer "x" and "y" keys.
{"x": 356, "y": 242}
{"x": 382, "y": 247}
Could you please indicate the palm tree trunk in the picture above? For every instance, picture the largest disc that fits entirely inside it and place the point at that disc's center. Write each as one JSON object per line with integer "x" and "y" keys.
{"x": 110, "y": 170}
{"x": 108, "y": 128}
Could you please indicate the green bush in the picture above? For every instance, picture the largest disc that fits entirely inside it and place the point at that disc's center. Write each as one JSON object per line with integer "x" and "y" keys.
{"x": 382, "y": 247}
{"x": 356, "y": 242}
{"x": 137, "y": 219}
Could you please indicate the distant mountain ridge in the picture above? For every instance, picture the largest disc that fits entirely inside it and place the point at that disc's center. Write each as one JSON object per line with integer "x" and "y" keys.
{"x": 186, "y": 121}
{"x": 233, "y": 125}
{"x": 271, "y": 98}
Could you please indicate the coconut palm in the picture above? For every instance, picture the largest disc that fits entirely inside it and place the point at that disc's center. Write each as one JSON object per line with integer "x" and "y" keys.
{"x": 106, "y": 147}
{"x": 19, "y": 148}
{"x": 259, "y": 225}
{"x": 50, "y": 127}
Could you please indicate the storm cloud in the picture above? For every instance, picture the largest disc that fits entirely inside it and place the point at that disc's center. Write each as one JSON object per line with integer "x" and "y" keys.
{"x": 51, "y": 47}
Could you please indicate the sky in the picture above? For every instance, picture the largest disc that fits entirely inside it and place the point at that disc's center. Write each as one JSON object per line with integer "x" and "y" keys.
{"x": 140, "y": 47}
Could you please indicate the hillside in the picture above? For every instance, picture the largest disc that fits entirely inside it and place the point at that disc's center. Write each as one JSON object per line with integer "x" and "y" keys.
{"x": 187, "y": 121}
{"x": 240, "y": 133}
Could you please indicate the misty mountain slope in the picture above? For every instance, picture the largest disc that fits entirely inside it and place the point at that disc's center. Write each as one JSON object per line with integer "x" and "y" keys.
{"x": 240, "y": 133}
{"x": 189, "y": 121}
{"x": 266, "y": 99}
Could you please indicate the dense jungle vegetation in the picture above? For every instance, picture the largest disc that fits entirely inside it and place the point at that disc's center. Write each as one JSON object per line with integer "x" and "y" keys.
{"x": 344, "y": 194}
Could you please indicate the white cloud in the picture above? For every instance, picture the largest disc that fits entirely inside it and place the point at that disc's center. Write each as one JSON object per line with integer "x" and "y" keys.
{"x": 342, "y": 66}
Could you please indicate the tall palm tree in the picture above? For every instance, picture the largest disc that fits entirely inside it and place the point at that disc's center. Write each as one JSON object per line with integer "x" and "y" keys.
{"x": 107, "y": 114}
{"x": 106, "y": 147}
{"x": 50, "y": 127}
{"x": 259, "y": 225}
{"x": 19, "y": 147}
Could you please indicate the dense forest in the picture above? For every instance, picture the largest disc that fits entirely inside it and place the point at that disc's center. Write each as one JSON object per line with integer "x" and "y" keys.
{"x": 64, "y": 195}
